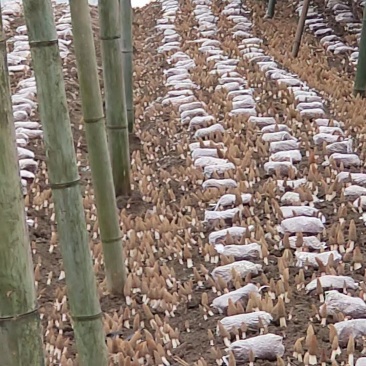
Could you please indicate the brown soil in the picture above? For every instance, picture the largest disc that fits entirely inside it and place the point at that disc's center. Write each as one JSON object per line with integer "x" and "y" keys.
{"x": 156, "y": 147}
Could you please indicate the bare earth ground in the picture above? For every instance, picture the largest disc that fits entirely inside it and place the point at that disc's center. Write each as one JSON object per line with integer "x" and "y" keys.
{"x": 156, "y": 150}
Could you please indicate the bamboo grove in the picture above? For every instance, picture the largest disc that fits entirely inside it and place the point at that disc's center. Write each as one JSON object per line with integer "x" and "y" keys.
{"x": 19, "y": 318}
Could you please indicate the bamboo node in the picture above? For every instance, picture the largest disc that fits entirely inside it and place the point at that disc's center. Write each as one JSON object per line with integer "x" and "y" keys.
{"x": 20, "y": 316}
{"x": 85, "y": 318}
{"x": 65, "y": 185}
{"x": 39, "y": 44}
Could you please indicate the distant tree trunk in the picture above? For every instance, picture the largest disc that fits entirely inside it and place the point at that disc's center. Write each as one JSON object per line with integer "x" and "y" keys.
{"x": 65, "y": 184}
{"x": 271, "y": 8}
{"x": 20, "y": 327}
{"x": 360, "y": 81}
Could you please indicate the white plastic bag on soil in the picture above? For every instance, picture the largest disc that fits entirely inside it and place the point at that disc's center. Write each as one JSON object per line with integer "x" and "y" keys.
{"x": 241, "y": 267}
{"x": 357, "y": 178}
{"x": 347, "y": 160}
{"x": 264, "y": 347}
{"x": 250, "y": 319}
{"x": 361, "y": 361}
{"x": 336, "y": 302}
{"x": 236, "y": 232}
{"x": 219, "y": 183}
{"x": 287, "y": 145}
{"x": 283, "y": 167}
{"x": 230, "y": 199}
{"x": 354, "y": 327}
{"x": 262, "y": 121}
{"x": 309, "y": 259}
{"x": 218, "y": 215}
{"x": 331, "y": 281}
{"x": 302, "y": 224}
{"x": 277, "y": 136}
{"x": 307, "y": 242}
{"x": 247, "y": 251}
{"x": 222, "y": 302}
{"x": 290, "y": 155}
{"x": 292, "y": 211}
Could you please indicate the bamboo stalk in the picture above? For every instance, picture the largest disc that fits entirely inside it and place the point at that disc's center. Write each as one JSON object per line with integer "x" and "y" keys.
{"x": 271, "y": 9}
{"x": 127, "y": 54}
{"x": 97, "y": 146}
{"x": 300, "y": 28}
{"x": 116, "y": 115}
{"x": 360, "y": 80}
{"x": 65, "y": 184}
{"x": 19, "y": 318}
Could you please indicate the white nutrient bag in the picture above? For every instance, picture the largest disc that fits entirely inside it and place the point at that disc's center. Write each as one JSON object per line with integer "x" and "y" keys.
{"x": 354, "y": 327}
{"x": 236, "y": 232}
{"x": 203, "y": 132}
{"x": 230, "y": 199}
{"x": 360, "y": 202}
{"x": 293, "y": 156}
{"x": 361, "y": 361}
{"x": 331, "y": 130}
{"x": 282, "y": 184}
{"x": 309, "y": 259}
{"x": 207, "y": 160}
{"x": 357, "y": 178}
{"x": 262, "y": 121}
{"x": 292, "y": 211}
{"x": 342, "y": 147}
{"x": 264, "y": 347}
{"x": 287, "y": 145}
{"x": 242, "y": 267}
{"x": 275, "y": 128}
{"x": 27, "y": 164}
{"x": 25, "y": 153}
{"x": 331, "y": 281}
{"x": 302, "y": 224}
{"x": 219, "y": 183}
{"x": 219, "y": 169}
{"x": 222, "y": 302}
{"x": 347, "y": 160}
{"x": 252, "y": 320}
{"x": 277, "y": 136}
{"x": 204, "y": 152}
{"x": 284, "y": 167}
{"x": 335, "y": 303}
{"x": 221, "y": 215}
{"x": 307, "y": 242}
{"x": 354, "y": 191}
{"x": 247, "y": 251}
{"x": 320, "y": 138}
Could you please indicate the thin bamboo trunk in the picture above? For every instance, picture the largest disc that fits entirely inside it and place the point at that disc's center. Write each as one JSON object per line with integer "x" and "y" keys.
{"x": 116, "y": 116}
{"x": 97, "y": 146}
{"x": 271, "y": 8}
{"x": 127, "y": 54}
{"x": 300, "y": 28}
{"x": 360, "y": 81}
{"x": 65, "y": 184}
{"x": 20, "y": 328}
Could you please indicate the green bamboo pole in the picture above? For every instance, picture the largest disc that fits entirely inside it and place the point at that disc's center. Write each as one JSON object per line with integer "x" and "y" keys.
{"x": 271, "y": 8}
{"x": 360, "y": 81}
{"x": 20, "y": 329}
{"x": 65, "y": 184}
{"x": 127, "y": 53}
{"x": 97, "y": 145}
{"x": 117, "y": 126}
